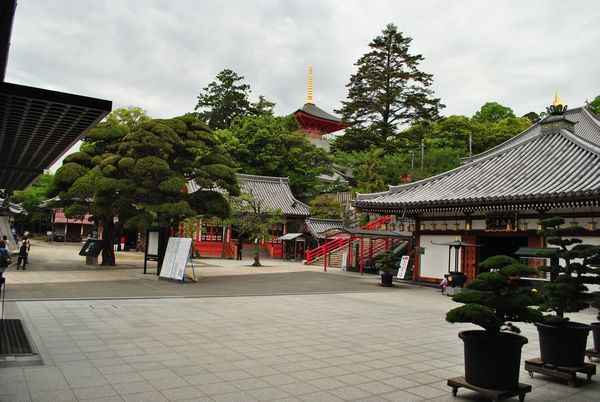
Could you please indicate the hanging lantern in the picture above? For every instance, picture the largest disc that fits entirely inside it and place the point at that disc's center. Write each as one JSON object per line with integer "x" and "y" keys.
{"x": 573, "y": 223}
{"x": 524, "y": 226}
{"x": 421, "y": 226}
{"x": 401, "y": 227}
{"x": 509, "y": 226}
{"x": 456, "y": 226}
{"x": 540, "y": 228}
{"x": 432, "y": 225}
{"x": 411, "y": 227}
{"x": 468, "y": 226}
{"x": 392, "y": 227}
{"x": 592, "y": 226}
{"x": 444, "y": 226}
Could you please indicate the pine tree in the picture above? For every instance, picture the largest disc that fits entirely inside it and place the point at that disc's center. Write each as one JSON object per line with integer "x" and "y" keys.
{"x": 388, "y": 88}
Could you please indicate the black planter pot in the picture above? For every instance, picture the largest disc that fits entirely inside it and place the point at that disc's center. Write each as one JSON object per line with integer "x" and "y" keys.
{"x": 387, "y": 280}
{"x": 492, "y": 360}
{"x": 596, "y": 334}
{"x": 563, "y": 346}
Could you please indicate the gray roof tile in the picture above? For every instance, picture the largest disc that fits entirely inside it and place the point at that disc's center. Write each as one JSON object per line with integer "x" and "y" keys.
{"x": 316, "y": 226}
{"x": 273, "y": 193}
{"x": 530, "y": 167}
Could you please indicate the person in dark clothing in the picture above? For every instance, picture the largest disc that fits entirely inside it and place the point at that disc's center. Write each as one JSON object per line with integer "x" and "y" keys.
{"x": 23, "y": 254}
{"x": 4, "y": 257}
{"x": 239, "y": 249}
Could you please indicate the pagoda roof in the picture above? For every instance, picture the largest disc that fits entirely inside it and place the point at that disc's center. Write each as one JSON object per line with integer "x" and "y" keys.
{"x": 535, "y": 169}
{"x": 314, "y": 111}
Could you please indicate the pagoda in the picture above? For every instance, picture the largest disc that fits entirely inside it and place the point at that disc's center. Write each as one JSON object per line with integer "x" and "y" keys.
{"x": 315, "y": 122}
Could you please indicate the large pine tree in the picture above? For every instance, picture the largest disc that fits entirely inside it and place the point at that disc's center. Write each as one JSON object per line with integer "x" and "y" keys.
{"x": 388, "y": 88}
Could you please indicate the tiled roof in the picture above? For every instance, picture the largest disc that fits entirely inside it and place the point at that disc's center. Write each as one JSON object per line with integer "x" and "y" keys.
{"x": 316, "y": 226}
{"x": 9, "y": 208}
{"x": 273, "y": 193}
{"x": 313, "y": 110}
{"x": 536, "y": 167}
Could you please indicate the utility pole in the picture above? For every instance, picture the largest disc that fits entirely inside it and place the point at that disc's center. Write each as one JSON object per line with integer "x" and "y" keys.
{"x": 422, "y": 153}
{"x": 470, "y": 145}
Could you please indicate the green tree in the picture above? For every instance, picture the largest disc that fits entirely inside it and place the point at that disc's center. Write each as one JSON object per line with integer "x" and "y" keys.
{"x": 30, "y": 198}
{"x": 129, "y": 116}
{"x": 492, "y": 111}
{"x": 250, "y": 218}
{"x": 533, "y": 117}
{"x": 227, "y": 98}
{"x": 140, "y": 176}
{"x": 355, "y": 139}
{"x": 595, "y": 105}
{"x": 324, "y": 207}
{"x": 272, "y": 146}
{"x": 388, "y": 89}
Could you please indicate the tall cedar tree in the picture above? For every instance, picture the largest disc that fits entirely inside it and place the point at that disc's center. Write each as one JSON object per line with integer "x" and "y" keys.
{"x": 388, "y": 88}
{"x": 227, "y": 98}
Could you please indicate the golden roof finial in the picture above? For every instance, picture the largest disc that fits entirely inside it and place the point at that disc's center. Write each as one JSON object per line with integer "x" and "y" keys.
{"x": 557, "y": 100}
{"x": 310, "y": 85}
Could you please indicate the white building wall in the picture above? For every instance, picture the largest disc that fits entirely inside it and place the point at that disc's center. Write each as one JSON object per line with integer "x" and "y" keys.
{"x": 434, "y": 263}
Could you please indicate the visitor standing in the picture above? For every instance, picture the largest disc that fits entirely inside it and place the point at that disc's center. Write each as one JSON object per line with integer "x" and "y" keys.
{"x": 23, "y": 254}
{"x": 123, "y": 240}
{"x": 240, "y": 248}
{"x": 4, "y": 257}
{"x": 116, "y": 243}
{"x": 5, "y": 238}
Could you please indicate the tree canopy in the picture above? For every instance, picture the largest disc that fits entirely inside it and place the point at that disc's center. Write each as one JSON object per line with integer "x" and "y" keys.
{"x": 491, "y": 112}
{"x": 272, "y": 146}
{"x": 30, "y": 198}
{"x": 388, "y": 89}
{"x": 140, "y": 175}
{"x": 595, "y": 105}
{"x": 227, "y": 98}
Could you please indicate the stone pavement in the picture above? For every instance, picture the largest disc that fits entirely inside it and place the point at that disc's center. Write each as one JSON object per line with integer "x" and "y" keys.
{"x": 369, "y": 344}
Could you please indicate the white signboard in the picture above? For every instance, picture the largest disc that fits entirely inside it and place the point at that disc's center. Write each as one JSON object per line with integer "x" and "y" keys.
{"x": 403, "y": 266}
{"x": 176, "y": 257}
{"x": 152, "y": 245}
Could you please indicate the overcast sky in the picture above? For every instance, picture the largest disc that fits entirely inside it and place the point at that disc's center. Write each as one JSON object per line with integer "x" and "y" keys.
{"x": 160, "y": 54}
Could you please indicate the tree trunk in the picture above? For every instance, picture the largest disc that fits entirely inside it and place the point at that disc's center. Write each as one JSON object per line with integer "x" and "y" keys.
{"x": 256, "y": 255}
{"x": 108, "y": 234}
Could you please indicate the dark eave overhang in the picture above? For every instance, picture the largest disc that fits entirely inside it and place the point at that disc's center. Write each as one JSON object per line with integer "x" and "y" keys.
{"x": 541, "y": 204}
{"x": 37, "y": 126}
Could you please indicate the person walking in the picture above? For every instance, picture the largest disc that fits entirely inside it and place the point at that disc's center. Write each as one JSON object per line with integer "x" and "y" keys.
{"x": 23, "y": 254}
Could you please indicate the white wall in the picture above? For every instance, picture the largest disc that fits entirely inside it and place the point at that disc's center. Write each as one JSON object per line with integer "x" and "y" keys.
{"x": 434, "y": 263}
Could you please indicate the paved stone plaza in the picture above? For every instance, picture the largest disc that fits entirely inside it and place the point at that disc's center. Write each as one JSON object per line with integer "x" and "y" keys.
{"x": 369, "y": 344}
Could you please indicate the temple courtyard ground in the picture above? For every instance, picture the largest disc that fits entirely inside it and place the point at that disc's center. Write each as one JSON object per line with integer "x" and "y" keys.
{"x": 284, "y": 332}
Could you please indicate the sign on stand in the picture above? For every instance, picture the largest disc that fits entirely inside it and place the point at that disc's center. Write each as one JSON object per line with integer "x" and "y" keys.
{"x": 176, "y": 258}
{"x": 403, "y": 267}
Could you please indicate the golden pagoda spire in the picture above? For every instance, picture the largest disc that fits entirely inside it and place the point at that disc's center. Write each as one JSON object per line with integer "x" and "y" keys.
{"x": 557, "y": 100}
{"x": 310, "y": 86}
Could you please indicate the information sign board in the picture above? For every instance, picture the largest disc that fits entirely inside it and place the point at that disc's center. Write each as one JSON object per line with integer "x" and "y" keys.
{"x": 176, "y": 258}
{"x": 92, "y": 248}
{"x": 403, "y": 267}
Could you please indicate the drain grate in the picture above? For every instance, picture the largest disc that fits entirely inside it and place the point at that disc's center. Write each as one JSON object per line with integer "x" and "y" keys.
{"x": 13, "y": 340}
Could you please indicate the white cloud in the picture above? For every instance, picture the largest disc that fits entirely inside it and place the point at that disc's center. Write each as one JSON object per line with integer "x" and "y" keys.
{"x": 158, "y": 54}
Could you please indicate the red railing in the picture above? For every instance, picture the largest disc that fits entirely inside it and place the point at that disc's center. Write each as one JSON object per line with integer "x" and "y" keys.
{"x": 336, "y": 243}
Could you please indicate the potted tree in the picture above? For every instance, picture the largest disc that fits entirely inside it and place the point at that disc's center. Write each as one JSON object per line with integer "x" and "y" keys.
{"x": 493, "y": 356}
{"x": 563, "y": 342}
{"x": 386, "y": 264}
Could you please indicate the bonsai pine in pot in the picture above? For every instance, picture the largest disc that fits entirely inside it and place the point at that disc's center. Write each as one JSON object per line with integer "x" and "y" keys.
{"x": 387, "y": 262}
{"x": 493, "y": 301}
{"x": 563, "y": 342}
